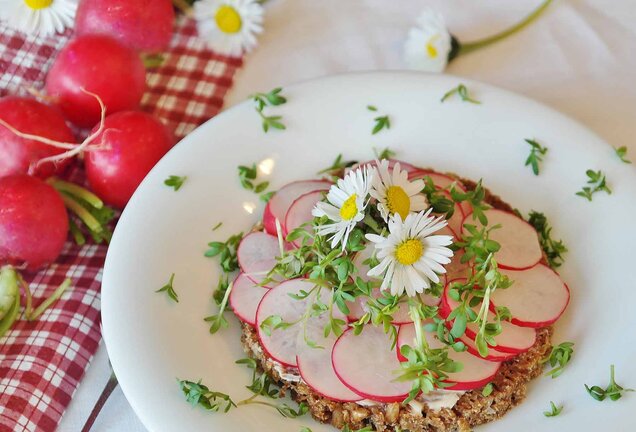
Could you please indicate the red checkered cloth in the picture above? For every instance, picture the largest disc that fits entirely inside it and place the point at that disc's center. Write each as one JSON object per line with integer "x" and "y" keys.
{"x": 42, "y": 362}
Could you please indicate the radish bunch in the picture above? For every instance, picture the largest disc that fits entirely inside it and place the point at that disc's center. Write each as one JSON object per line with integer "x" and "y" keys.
{"x": 96, "y": 81}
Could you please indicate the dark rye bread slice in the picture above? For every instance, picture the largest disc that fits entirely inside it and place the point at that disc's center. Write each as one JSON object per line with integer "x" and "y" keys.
{"x": 509, "y": 386}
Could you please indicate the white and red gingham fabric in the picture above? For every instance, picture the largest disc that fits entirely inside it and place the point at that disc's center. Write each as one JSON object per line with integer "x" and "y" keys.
{"x": 42, "y": 362}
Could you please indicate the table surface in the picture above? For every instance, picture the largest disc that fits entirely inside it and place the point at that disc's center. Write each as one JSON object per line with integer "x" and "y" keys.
{"x": 579, "y": 58}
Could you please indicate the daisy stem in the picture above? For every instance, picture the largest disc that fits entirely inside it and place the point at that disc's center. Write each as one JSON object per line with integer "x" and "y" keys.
{"x": 469, "y": 47}
{"x": 371, "y": 223}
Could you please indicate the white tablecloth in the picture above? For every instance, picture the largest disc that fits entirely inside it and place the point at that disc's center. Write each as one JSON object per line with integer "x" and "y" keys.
{"x": 579, "y": 58}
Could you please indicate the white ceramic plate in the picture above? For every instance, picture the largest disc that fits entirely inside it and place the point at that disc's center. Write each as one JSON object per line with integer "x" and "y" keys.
{"x": 152, "y": 341}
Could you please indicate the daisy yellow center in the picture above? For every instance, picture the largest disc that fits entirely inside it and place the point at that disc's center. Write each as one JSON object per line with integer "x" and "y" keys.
{"x": 398, "y": 201}
{"x": 38, "y": 4}
{"x": 430, "y": 48}
{"x": 228, "y": 19}
{"x": 409, "y": 252}
{"x": 349, "y": 208}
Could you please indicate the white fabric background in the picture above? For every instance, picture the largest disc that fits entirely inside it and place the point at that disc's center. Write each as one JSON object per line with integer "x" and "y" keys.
{"x": 579, "y": 58}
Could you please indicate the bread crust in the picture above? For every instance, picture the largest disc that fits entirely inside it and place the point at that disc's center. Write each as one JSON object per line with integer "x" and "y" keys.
{"x": 472, "y": 409}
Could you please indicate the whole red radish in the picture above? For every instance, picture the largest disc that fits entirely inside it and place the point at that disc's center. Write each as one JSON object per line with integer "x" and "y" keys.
{"x": 97, "y": 64}
{"x": 29, "y": 116}
{"x": 33, "y": 222}
{"x": 140, "y": 24}
{"x": 134, "y": 142}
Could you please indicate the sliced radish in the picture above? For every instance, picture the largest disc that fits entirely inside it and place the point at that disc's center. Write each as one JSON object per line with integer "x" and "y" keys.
{"x": 257, "y": 254}
{"x": 245, "y": 297}
{"x": 513, "y": 339}
{"x": 520, "y": 248}
{"x": 278, "y": 205}
{"x": 299, "y": 212}
{"x": 281, "y": 344}
{"x": 366, "y": 364}
{"x": 476, "y": 372}
{"x": 537, "y": 298}
{"x": 315, "y": 364}
{"x": 493, "y": 354}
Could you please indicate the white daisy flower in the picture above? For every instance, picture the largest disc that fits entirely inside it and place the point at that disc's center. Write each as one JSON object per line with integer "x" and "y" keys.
{"x": 229, "y": 26}
{"x": 395, "y": 193}
{"x": 410, "y": 257}
{"x": 428, "y": 44}
{"x": 347, "y": 201}
{"x": 38, "y": 17}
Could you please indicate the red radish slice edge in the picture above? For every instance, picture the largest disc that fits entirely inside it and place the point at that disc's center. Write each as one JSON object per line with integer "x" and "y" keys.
{"x": 245, "y": 298}
{"x": 257, "y": 254}
{"x": 476, "y": 371}
{"x": 299, "y": 212}
{"x": 281, "y": 344}
{"x": 280, "y": 202}
{"x": 365, "y": 364}
{"x": 537, "y": 298}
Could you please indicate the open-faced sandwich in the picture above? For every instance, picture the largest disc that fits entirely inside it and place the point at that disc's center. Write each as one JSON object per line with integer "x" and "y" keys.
{"x": 396, "y": 298}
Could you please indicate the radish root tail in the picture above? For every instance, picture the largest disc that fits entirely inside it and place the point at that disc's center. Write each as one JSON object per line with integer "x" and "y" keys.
{"x": 78, "y": 148}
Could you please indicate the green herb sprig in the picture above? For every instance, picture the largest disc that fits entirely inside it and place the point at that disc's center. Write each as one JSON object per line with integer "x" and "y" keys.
{"x": 621, "y": 152}
{"x": 462, "y": 92}
{"x": 261, "y": 383}
{"x": 175, "y": 182}
{"x": 537, "y": 151}
{"x": 386, "y": 153}
{"x": 218, "y": 320}
{"x": 338, "y": 166}
{"x": 553, "y": 249}
{"x": 554, "y": 410}
{"x": 612, "y": 391}
{"x": 597, "y": 182}
{"x": 169, "y": 289}
{"x": 381, "y": 122}
{"x": 199, "y": 394}
{"x": 226, "y": 251}
{"x": 272, "y": 98}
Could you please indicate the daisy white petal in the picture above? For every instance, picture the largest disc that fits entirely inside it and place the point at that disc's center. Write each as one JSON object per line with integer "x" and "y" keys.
{"x": 229, "y": 26}
{"x": 394, "y": 193}
{"x": 428, "y": 44}
{"x": 38, "y": 17}
{"x": 347, "y": 200}
{"x": 410, "y": 257}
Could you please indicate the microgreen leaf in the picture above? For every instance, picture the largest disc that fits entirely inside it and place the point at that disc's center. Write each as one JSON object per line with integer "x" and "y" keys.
{"x": 381, "y": 122}
{"x": 536, "y": 155}
{"x": 553, "y": 249}
{"x": 554, "y": 410}
{"x": 621, "y": 152}
{"x": 272, "y": 98}
{"x": 199, "y": 394}
{"x": 226, "y": 252}
{"x": 169, "y": 289}
{"x": 613, "y": 391}
{"x": 338, "y": 165}
{"x": 217, "y": 226}
{"x": 386, "y": 153}
{"x": 487, "y": 390}
{"x": 597, "y": 182}
{"x": 175, "y": 182}
{"x": 462, "y": 92}
{"x": 218, "y": 320}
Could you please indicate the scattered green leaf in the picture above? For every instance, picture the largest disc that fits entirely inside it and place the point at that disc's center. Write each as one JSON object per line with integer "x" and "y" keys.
{"x": 553, "y": 249}
{"x": 597, "y": 182}
{"x": 559, "y": 357}
{"x": 199, "y": 394}
{"x": 487, "y": 390}
{"x": 175, "y": 182}
{"x": 554, "y": 410}
{"x": 169, "y": 289}
{"x": 462, "y": 92}
{"x": 612, "y": 391}
{"x": 621, "y": 152}
{"x": 536, "y": 155}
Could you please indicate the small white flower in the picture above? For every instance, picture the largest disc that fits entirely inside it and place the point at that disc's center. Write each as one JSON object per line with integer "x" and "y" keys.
{"x": 38, "y": 17}
{"x": 395, "y": 193}
{"x": 410, "y": 257}
{"x": 347, "y": 201}
{"x": 428, "y": 44}
{"x": 229, "y": 26}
